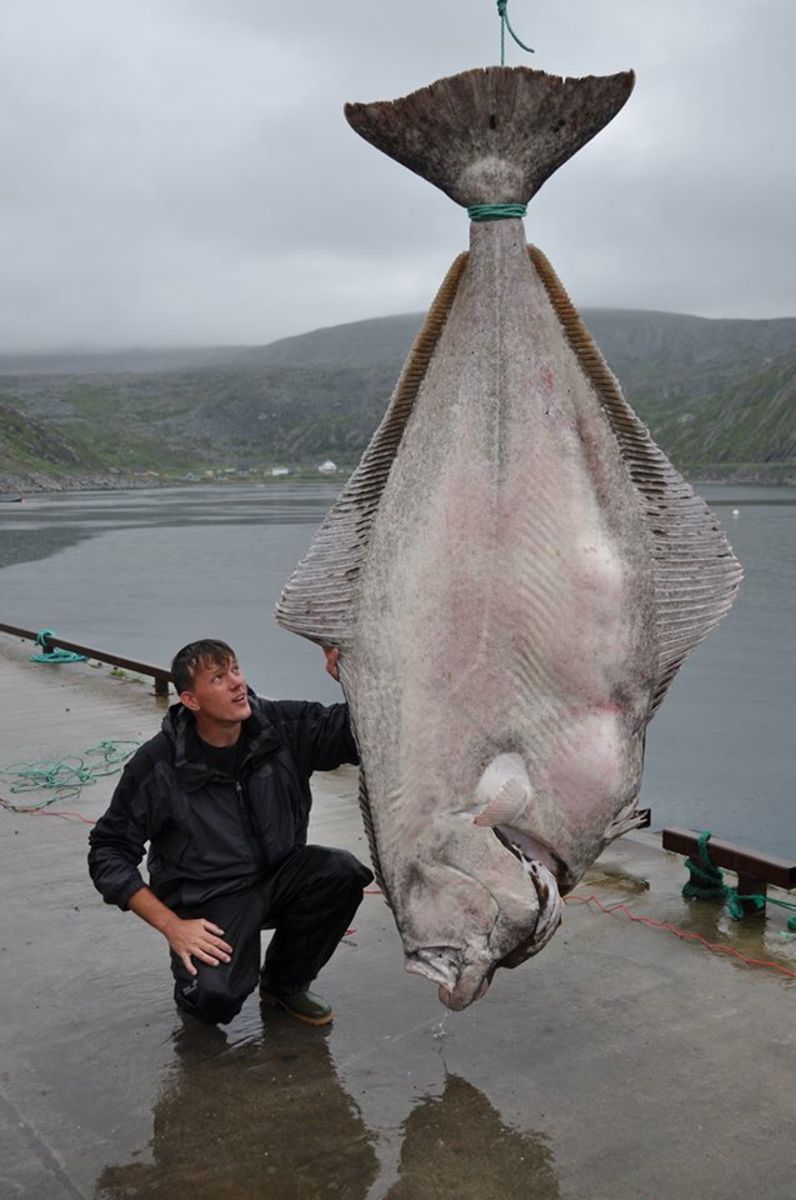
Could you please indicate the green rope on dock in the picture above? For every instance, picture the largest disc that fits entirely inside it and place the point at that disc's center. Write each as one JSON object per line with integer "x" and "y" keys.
{"x": 706, "y": 882}
{"x": 64, "y": 778}
{"x": 54, "y": 655}
{"x": 496, "y": 212}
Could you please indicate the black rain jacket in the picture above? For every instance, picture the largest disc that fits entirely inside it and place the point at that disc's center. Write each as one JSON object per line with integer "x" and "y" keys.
{"x": 209, "y": 834}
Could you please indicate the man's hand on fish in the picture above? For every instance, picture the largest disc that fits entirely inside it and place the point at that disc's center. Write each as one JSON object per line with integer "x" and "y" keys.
{"x": 332, "y": 656}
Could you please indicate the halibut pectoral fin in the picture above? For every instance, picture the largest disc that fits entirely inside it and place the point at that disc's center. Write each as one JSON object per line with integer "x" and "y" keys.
{"x": 506, "y": 806}
{"x": 503, "y": 791}
{"x": 696, "y": 575}
{"x": 319, "y": 599}
{"x": 492, "y": 135}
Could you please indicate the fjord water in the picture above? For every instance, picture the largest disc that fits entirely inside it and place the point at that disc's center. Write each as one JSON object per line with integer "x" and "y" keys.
{"x": 143, "y": 572}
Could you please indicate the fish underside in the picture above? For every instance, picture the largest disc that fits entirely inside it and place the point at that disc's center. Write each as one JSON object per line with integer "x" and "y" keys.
{"x": 514, "y": 572}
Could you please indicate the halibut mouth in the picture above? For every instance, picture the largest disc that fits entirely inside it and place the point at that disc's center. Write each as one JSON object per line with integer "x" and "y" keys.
{"x": 463, "y": 977}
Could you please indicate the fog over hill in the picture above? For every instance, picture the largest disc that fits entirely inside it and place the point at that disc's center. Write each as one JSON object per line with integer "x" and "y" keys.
{"x": 719, "y": 396}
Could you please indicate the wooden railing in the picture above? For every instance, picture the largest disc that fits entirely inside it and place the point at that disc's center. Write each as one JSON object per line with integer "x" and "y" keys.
{"x": 754, "y": 870}
{"x": 160, "y": 675}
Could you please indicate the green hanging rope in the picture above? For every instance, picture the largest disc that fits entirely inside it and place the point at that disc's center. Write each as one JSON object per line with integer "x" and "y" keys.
{"x": 502, "y": 7}
{"x": 706, "y": 882}
{"x": 496, "y": 212}
{"x": 55, "y": 654}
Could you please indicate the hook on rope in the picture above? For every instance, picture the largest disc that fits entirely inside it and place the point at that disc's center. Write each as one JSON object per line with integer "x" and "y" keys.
{"x": 505, "y": 23}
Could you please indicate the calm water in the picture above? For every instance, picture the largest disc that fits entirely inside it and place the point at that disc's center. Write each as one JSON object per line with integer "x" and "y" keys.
{"x": 144, "y": 572}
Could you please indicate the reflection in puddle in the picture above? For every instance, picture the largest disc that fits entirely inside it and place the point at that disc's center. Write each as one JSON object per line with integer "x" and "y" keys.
{"x": 615, "y": 878}
{"x": 269, "y": 1118}
{"x": 264, "y": 1118}
{"x": 457, "y": 1148}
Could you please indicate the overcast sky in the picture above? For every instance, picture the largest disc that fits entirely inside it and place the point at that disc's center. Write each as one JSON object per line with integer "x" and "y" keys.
{"x": 180, "y": 171}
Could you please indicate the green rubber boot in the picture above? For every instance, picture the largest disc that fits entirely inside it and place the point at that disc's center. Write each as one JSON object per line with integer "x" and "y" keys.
{"x": 304, "y": 1006}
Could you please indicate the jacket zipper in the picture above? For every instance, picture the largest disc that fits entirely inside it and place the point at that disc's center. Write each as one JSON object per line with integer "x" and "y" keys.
{"x": 248, "y": 822}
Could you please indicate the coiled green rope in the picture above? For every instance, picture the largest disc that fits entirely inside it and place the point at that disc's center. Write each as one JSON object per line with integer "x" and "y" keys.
{"x": 64, "y": 778}
{"x": 706, "y": 882}
{"x": 55, "y": 655}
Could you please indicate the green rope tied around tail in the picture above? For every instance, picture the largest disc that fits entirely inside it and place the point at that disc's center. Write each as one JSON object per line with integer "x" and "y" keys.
{"x": 706, "y": 882}
{"x": 55, "y": 654}
{"x": 505, "y": 23}
{"x": 496, "y": 212}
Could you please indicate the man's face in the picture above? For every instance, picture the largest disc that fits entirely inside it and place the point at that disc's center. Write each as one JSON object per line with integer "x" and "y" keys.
{"x": 218, "y": 693}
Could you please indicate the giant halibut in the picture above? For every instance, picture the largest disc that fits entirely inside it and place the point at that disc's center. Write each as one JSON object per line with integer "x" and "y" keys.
{"x": 514, "y": 572}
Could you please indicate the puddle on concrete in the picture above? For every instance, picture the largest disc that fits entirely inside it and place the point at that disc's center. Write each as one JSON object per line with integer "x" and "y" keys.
{"x": 650, "y": 884}
{"x": 456, "y": 1145}
{"x": 619, "y": 1063}
{"x": 268, "y": 1116}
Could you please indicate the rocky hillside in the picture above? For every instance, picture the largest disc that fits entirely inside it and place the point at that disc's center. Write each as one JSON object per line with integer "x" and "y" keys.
{"x": 719, "y": 396}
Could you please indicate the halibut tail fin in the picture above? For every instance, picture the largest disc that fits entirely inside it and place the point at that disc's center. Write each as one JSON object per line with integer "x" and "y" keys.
{"x": 492, "y": 135}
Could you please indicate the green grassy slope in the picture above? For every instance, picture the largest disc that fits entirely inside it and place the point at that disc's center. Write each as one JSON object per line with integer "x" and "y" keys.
{"x": 719, "y": 397}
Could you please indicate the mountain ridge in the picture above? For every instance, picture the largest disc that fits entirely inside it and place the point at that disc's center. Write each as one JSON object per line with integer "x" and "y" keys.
{"x": 719, "y": 394}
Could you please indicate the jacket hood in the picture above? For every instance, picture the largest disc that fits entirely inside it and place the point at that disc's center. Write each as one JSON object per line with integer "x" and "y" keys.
{"x": 179, "y": 726}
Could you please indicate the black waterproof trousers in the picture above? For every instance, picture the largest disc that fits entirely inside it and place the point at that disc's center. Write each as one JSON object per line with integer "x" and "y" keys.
{"x": 309, "y": 901}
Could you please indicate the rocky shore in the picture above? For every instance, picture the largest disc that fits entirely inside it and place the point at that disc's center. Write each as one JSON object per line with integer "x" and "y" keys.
{"x": 30, "y": 483}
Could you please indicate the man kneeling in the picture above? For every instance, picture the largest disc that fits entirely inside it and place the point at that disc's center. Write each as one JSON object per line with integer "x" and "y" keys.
{"x": 222, "y": 795}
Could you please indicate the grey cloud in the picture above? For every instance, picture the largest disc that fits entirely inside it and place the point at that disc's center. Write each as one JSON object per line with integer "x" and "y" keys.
{"x": 180, "y": 170}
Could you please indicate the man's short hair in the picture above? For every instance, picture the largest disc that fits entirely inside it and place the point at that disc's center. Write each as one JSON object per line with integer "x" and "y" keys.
{"x": 209, "y": 652}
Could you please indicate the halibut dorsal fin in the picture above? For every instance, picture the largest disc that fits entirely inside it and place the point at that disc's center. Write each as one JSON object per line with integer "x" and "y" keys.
{"x": 696, "y": 575}
{"x": 492, "y": 135}
{"x": 319, "y": 599}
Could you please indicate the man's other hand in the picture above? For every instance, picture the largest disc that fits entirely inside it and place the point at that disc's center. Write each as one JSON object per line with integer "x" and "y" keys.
{"x": 332, "y": 657}
{"x": 198, "y": 938}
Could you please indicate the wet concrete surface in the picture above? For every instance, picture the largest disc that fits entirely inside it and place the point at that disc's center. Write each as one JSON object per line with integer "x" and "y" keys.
{"x": 621, "y": 1064}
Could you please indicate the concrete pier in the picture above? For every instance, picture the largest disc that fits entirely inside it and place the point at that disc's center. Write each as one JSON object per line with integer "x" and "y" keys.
{"x": 621, "y": 1064}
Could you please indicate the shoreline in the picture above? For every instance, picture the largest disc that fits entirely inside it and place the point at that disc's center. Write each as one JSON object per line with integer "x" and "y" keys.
{"x": 759, "y": 475}
{"x": 18, "y": 486}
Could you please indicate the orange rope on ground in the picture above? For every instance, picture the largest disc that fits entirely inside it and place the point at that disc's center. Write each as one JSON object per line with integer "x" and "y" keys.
{"x": 573, "y": 898}
{"x": 43, "y": 812}
{"x": 683, "y": 934}
{"x": 67, "y": 816}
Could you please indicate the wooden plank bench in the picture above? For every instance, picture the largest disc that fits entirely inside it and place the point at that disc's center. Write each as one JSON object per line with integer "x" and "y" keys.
{"x": 755, "y": 871}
